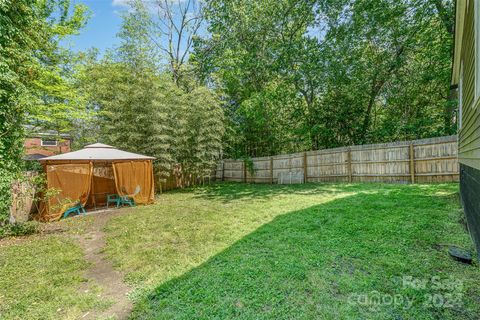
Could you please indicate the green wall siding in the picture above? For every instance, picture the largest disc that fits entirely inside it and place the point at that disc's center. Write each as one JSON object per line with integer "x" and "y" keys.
{"x": 469, "y": 134}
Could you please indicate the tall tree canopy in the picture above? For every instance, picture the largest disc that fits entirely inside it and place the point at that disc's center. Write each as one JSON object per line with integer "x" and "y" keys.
{"x": 192, "y": 79}
{"x": 310, "y": 74}
{"x": 32, "y": 87}
{"x": 171, "y": 26}
{"x": 142, "y": 108}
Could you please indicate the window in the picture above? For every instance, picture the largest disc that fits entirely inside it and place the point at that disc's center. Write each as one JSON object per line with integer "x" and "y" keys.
{"x": 49, "y": 143}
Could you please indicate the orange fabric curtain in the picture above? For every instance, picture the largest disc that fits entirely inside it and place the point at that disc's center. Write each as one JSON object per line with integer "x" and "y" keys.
{"x": 103, "y": 183}
{"x": 73, "y": 182}
{"x": 130, "y": 174}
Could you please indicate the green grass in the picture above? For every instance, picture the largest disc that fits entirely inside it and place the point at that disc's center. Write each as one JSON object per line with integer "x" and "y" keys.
{"x": 40, "y": 279}
{"x": 303, "y": 251}
{"x": 258, "y": 252}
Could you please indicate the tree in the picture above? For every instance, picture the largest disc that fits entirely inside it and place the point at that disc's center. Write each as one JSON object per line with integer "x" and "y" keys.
{"x": 172, "y": 26}
{"x": 198, "y": 142}
{"x": 395, "y": 53}
{"x": 29, "y": 71}
{"x": 250, "y": 59}
{"x": 56, "y": 102}
{"x": 143, "y": 110}
{"x": 16, "y": 20}
{"x": 352, "y": 72}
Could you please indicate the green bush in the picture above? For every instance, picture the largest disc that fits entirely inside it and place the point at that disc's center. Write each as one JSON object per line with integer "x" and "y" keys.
{"x": 33, "y": 166}
{"x": 18, "y": 229}
{"x": 6, "y": 178}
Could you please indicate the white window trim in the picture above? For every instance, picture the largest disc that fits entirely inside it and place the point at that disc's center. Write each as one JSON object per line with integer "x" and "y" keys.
{"x": 49, "y": 145}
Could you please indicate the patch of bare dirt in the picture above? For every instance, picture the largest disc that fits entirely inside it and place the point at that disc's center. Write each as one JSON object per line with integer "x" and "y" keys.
{"x": 101, "y": 271}
{"x": 88, "y": 233}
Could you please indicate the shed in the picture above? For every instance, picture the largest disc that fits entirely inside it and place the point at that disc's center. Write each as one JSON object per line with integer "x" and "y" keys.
{"x": 90, "y": 174}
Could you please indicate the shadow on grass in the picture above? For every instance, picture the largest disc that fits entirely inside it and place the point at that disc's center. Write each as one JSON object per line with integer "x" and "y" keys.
{"x": 229, "y": 191}
{"x": 312, "y": 263}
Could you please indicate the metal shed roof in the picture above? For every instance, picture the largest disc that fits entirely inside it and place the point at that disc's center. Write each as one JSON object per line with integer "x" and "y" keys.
{"x": 98, "y": 151}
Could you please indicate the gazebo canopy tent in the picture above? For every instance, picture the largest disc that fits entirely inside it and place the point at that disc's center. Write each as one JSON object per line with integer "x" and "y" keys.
{"x": 88, "y": 175}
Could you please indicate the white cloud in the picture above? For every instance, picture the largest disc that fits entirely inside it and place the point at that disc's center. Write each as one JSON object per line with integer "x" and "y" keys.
{"x": 120, "y": 3}
{"x": 152, "y": 6}
{"x": 126, "y": 3}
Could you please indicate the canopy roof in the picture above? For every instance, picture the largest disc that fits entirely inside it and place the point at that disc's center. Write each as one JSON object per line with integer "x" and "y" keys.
{"x": 97, "y": 151}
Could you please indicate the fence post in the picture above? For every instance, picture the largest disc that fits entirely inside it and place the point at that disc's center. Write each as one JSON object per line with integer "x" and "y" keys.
{"x": 412, "y": 163}
{"x": 271, "y": 170}
{"x": 305, "y": 168}
{"x": 349, "y": 164}
{"x": 244, "y": 171}
{"x": 223, "y": 170}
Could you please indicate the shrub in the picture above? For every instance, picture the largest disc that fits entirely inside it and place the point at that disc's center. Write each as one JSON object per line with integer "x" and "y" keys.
{"x": 5, "y": 194}
{"x": 18, "y": 229}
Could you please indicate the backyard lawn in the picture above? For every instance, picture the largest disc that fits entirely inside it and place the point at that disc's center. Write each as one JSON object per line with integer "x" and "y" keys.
{"x": 324, "y": 251}
{"x": 41, "y": 277}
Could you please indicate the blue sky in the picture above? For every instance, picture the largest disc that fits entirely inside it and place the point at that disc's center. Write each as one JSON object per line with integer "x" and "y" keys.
{"x": 101, "y": 30}
{"x": 105, "y": 22}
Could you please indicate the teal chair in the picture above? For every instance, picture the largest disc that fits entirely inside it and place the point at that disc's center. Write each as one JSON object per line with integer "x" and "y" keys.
{"x": 113, "y": 198}
{"x": 129, "y": 199}
{"x": 77, "y": 208}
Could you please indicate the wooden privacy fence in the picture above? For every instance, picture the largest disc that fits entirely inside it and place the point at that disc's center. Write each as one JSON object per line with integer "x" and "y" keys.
{"x": 174, "y": 182}
{"x": 179, "y": 179}
{"x": 417, "y": 161}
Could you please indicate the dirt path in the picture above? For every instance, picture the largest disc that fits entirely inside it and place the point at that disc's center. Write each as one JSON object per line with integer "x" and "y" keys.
{"x": 102, "y": 272}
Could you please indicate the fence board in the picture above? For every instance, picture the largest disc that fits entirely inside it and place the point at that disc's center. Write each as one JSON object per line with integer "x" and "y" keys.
{"x": 434, "y": 160}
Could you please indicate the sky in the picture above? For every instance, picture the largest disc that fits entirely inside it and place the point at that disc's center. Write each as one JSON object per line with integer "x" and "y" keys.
{"x": 101, "y": 29}
{"x": 103, "y": 25}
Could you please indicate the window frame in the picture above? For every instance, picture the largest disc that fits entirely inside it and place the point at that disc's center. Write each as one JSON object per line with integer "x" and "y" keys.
{"x": 48, "y": 145}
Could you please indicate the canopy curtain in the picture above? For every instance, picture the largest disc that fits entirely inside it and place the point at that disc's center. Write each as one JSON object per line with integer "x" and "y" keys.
{"x": 72, "y": 182}
{"x": 130, "y": 174}
{"x": 103, "y": 184}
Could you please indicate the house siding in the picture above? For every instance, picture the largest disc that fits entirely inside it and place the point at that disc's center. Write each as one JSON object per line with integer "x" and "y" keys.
{"x": 469, "y": 133}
